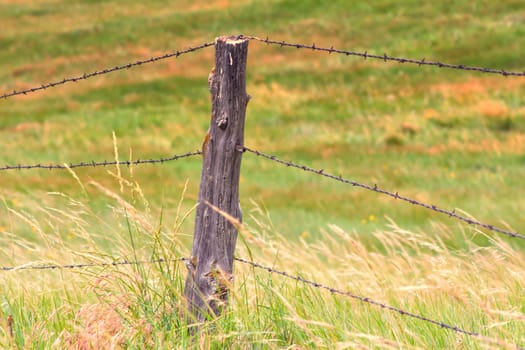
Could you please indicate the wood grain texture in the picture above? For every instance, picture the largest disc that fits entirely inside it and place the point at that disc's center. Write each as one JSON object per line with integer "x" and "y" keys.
{"x": 211, "y": 266}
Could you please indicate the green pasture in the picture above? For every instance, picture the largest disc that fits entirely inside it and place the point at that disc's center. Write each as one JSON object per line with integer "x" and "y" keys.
{"x": 451, "y": 138}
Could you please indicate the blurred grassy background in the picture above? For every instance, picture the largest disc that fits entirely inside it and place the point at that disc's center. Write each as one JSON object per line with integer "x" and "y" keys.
{"x": 451, "y": 138}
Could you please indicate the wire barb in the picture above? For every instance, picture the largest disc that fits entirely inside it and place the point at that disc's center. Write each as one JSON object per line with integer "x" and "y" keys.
{"x": 268, "y": 269}
{"x": 354, "y": 296}
{"x": 395, "y": 195}
{"x": 107, "y": 70}
{"x": 85, "y": 265}
{"x": 386, "y": 57}
{"x": 104, "y": 163}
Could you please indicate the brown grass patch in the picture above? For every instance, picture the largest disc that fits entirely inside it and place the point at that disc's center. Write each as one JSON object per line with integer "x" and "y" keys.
{"x": 58, "y": 22}
{"x": 476, "y": 87}
{"x": 99, "y": 326}
{"x": 216, "y": 5}
{"x": 197, "y": 66}
{"x": 492, "y": 108}
{"x": 268, "y": 94}
{"x": 512, "y": 144}
{"x": 21, "y": 127}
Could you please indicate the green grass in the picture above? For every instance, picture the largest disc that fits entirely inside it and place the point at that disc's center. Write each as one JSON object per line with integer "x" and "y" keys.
{"x": 449, "y": 138}
{"x": 140, "y": 306}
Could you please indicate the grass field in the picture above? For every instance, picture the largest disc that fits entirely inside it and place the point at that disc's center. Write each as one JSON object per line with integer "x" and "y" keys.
{"x": 451, "y": 138}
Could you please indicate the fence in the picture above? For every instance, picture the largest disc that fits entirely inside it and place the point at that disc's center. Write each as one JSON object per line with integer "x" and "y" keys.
{"x": 243, "y": 149}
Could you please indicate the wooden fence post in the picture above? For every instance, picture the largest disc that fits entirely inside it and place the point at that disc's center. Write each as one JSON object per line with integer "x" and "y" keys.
{"x": 211, "y": 265}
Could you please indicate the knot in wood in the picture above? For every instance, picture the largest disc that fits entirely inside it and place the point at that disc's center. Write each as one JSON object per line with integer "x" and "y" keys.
{"x": 222, "y": 121}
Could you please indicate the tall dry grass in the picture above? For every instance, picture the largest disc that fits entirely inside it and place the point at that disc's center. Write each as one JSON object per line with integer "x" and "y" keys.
{"x": 474, "y": 287}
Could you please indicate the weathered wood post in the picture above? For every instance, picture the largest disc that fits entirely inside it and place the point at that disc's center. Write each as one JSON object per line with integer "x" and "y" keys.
{"x": 211, "y": 265}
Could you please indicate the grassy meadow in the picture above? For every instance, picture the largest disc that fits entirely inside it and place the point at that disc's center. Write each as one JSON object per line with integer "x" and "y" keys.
{"x": 455, "y": 139}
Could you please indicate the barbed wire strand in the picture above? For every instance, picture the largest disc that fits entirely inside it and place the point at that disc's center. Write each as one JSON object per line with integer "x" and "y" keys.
{"x": 270, "y": 270}
{"x": 395, "y": 195}
{"x": 348, "y": 294}
{"x": 402, "y": 312}
{"x": 268, "y": 41}
{"x": 85, "y": 265}
{"x": 385, "y": 57}
{"x": 106, "y": 71}
{"x": 244, "y": 261}
{"x": 104, "y": 163}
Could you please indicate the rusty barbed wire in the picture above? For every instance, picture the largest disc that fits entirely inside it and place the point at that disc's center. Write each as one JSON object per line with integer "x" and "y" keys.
{"x": 367, "y": 300}
{"x": 85, "y": 265}
{"x": 396, "y": 195}
{"x": 385, "y": 57}
{"x": 107, "y": 70}
{"x": 104, "y": 163}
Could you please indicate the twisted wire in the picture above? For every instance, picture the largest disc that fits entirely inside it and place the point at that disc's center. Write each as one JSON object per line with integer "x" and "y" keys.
{"x": 244, "y": 261}
{"x": 104, "y": 163}
{"x": 330, "y": 50}
{"x": 396, "y": 195}
{"x": 270, "y": 270}
{"x": 385, "y": 57}
{"x": 84, "y": 265}
{"x": 105, "y": 71}
{"x": 354, "y": 296}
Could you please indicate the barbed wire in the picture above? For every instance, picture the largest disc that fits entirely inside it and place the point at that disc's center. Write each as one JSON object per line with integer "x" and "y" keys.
{"x": 244, "y": 261}
{"x": 385, "y": 57}
{"x": 106, "y": 71}
{"x": 402, "y": 312}
{"x": 267, "y": 41}
{"x": 104, "y": 163}
{"x": 271, "y": 270}
{"x": 396, "y": 195}
{"x": 85, "y": 265}
{"x": 354, "y": 296}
